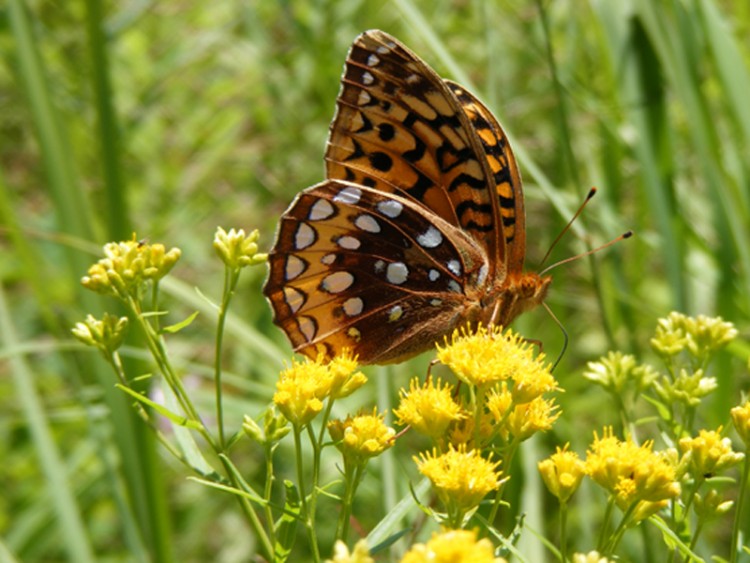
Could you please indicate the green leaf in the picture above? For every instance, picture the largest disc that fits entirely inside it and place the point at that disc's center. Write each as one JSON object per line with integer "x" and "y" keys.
{"x": 286, "y": 526}
{"x": 161, "y": 409}
{"x": 177, "y": 327}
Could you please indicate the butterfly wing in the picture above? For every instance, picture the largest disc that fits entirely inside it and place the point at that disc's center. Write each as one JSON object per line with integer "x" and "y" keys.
{"x": 505, "y": 175}
{"x": 376, "y": 272}
{"x": 400, "y": 129}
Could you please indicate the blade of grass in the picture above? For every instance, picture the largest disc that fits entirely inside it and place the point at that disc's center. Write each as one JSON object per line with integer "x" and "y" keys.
{"x": 73, "y": 531}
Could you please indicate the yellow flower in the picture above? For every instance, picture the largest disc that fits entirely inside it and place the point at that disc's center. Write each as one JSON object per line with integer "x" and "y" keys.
{"x": 537, "y": 416}
{"x": 700, "y": 336}
{"x": 562, "y": 472}
{"x": 304, "y": 386}
{"x": 532, "y": 382}
{"x": 633, "y": 474}
{"x": 106, "y": 334}
{"x": 590, "y": 557}
{"x": 345, "y": 380}
{"x": 460, "y": 478}
{"x": 127, "y": 265}
{"x": 462, "y": 432}
{"x": 361, "y": 437}
{"x": 238, "y": 250}
{"x": 616, "y": 370}
{"x": 520, "y": 421}
{"x": 301, "y": 389}
{"x": 488, "y": 356}
{"x": 741, "y": 421}
{"x": 453, "y": 546}
{"x": 360, "y": 554}
{"x": 428, "y": 408}
{"x": 709, "y": 453}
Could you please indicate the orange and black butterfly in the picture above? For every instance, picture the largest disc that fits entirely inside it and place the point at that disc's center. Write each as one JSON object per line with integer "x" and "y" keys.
{"x": 419, "y": 227}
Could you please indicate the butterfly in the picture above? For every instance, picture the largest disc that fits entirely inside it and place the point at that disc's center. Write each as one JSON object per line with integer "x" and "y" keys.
{"x": 419, "y": 227}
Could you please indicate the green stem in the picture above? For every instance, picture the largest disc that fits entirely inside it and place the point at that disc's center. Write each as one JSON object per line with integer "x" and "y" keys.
{"x": 734, "y": 543}
{"x": 265, "y": 542}
{"x": 564, "y": 531}
{"x": 307, "y": 506}
{"x": 507, "y": 460}
{"x": 267, "y": 490}
{"x": 605, "y": 524}
{"x": 620, "y": 530}
{"x": 155, "y": 345}
{"x": 694, "y": 539}
{"x": 352, "y": 479}
{"x": 231, "y": 277}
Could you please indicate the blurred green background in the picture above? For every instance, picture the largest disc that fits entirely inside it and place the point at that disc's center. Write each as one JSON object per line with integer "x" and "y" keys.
{"x": 172, "y": 118}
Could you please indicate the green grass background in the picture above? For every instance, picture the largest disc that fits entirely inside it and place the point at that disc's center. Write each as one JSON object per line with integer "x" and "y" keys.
{"x": 171, "y": 118}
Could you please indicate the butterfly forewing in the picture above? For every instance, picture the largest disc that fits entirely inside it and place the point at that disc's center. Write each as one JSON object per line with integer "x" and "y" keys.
{"x": 399, "y": 128}
{"x": 352, "y": 261}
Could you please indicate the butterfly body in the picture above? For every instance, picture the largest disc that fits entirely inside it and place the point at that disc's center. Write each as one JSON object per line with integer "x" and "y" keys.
{"x": 419, "y": 228}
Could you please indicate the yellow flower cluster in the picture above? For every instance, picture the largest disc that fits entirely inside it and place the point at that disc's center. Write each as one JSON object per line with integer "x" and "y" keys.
{"x": 460, "y": 477}
{"x": 700, "y": 336}
{"x": 506, "y": 384}
{"x": 361, "y": 437}
{"x": 127, "y": 265}
{"x": 708, "y": 453}
{"x": 360, "y": 553}
{"x": 640, "y": 480}
{"x": 741, "y": 421}
{"x": 236, "y": 249}
{"x": 429, "y": 409}
{"x": 562, "y": 473}
{"x": 487, "y": 357}
{"x": 453, "y": 546}
{"x": 302, "y": 387}
{"x": 106, "y": 334}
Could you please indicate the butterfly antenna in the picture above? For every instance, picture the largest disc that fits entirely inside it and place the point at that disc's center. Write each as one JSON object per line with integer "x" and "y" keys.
{"x": 592, "y": 193}
{"x": 623, "y": 236}
{"x": 564, "y": 332}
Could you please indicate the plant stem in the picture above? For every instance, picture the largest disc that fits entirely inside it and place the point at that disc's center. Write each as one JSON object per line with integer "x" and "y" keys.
{"x": 741, "y": 494}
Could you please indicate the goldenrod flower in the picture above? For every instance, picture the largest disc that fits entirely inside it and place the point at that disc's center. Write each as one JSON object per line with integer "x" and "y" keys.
{"x": 345, "y": 380}
{"x": 532, "y": 382}
{"x": 709, "y": 453}
{"x": 106, "y": 334}
{"x": 462, "y": 431}
{"x": 520, "y": 421}
{"x": 488, "y": 356}
{"x": 460, "y": 478}
{"x": 301, "y": 389}
{"x": 304, "y": 386}
{"x": 700, "y": 336}
{"x": 562, "y": 472}
{"x": 631, "y": 473}
{"x": 590, "y": 557}
{"x": 360, "y": 554}
{"x": 127, "y": 265}
{"x": 429, "y": 409}
{"x": 741, "y": 421}
{"x": 361, "y": 437}
{"x": 712, "y": 506}
{"x": 275, "y": 427}
{"x": 236, "y": 249}
{"x": 453, "y": 546}
{"x": 687, "y": 388}
{"x": 616, "y": 370}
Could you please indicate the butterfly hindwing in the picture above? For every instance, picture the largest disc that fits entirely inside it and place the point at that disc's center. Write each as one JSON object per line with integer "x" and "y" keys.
{"x": 348, "y": 256}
